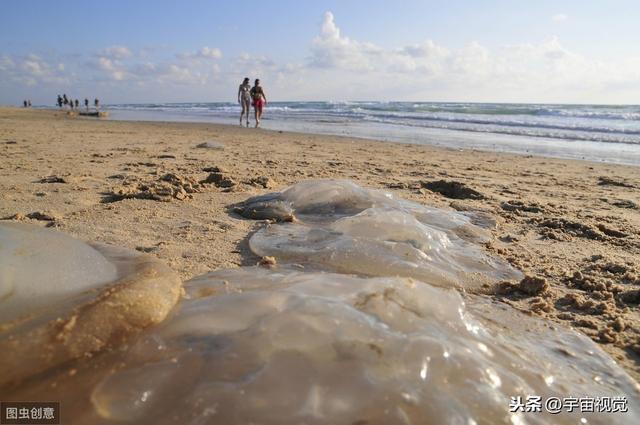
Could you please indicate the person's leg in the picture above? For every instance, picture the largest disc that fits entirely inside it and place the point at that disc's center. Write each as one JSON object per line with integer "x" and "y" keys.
{"x": 256, "y": 108}
{"x": 246, "y": 106}
{"x": 242, "y": 112}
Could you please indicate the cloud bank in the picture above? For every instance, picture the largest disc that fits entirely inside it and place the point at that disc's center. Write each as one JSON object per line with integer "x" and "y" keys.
{"x": 337, "y": 67}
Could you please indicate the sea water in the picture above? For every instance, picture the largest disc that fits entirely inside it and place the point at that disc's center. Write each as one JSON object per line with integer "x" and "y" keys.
{"x": 609, "y": 133}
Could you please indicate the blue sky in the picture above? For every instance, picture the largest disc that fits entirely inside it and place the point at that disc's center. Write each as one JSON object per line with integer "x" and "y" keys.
{"x": 166, "y": 51}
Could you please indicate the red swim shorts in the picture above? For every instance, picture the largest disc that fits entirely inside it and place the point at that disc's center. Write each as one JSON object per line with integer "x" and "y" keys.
{"x": 258, "y": 103}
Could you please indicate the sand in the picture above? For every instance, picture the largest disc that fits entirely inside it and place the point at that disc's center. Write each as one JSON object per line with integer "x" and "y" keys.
{"x": 573, "y": 227}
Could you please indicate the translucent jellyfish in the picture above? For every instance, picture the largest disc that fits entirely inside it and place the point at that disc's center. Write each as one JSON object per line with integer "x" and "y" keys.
{"x": 260, "y": 346}
{"x": 61, "y": 298}
{"x": 338, "y": 226}
{"x": 388, "y": 340}
{"x": 27, "y": 261}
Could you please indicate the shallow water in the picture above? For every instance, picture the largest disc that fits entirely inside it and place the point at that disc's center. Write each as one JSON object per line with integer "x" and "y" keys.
{"x": 390, "y": 339}
{"x": 593, "y": 132}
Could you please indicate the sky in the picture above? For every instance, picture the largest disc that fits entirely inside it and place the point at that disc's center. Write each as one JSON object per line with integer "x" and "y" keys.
{"x": 406, "y": 50}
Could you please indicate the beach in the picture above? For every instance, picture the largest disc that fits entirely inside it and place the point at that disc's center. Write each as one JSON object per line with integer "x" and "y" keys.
{"x": 160, "y": 188}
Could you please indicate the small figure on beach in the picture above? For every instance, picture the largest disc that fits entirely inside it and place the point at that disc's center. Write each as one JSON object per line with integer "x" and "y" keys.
{"x": 65, "y": 100}
{"x": 86, "y": 104}
{"x": 28, "y": 103}
{"x": 259, "y": 100}
{"x": 96, "y": 103}
{"x": 77, "y": 104}
{"x": 24, "y": 103}
{"x": 59, "y": 101}
{"x": 244, "y": 99}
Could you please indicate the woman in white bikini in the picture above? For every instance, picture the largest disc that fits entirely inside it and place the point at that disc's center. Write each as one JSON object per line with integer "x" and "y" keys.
{"x": 244, "y": 99}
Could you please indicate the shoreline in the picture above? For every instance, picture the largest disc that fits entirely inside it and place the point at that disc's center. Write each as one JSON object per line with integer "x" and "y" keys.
{"x": 626, "y": 153}
{"x": 555, "y": 145}
{"x": 574, "y": 223}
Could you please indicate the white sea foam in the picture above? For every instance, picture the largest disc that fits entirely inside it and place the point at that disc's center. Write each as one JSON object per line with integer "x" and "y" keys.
{"x": 594, "y": 132}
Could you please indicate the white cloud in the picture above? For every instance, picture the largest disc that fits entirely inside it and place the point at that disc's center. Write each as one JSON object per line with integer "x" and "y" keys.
{"x": 331, "y": 50}
{"x": 254, "y": 65}
{"x": 6, "y": 63}
{"x": 31, "y": 70}
{"x": 213, "y": 53}
{"x": 116, "y": 52}
{"x": 203, "y": 53}
{"x": 173, "y": 73}
{"x": 111, "y": 69}
{"x": 545, "y": 71}
{"x": 150, "y": 73}
{"x": 559, "y": 17}
{"x": 117, "y": 64}
{"x": 338, "y": 67}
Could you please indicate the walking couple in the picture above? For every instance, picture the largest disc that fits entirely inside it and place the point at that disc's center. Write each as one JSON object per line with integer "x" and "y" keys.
{"x": 251, "y": 95}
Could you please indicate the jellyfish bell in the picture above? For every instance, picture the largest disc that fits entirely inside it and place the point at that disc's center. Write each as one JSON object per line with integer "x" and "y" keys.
{"x": 63, "y": 299}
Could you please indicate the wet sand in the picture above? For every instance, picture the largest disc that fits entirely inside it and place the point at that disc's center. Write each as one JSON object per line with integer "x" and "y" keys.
{"x": 572, "y": 226}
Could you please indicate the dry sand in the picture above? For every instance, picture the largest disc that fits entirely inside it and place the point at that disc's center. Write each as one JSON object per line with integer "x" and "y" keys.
{"x": 572, "y": 226}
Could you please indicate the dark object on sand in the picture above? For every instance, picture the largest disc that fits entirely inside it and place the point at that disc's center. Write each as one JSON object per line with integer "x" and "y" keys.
{"x": 96, "y": 114}
{"x": 452, "y": 189}
{"x": 607, "y": 181}
{"x": 266, "y": 207}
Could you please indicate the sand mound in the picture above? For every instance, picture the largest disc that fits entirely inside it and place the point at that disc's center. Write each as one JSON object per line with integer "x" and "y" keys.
{"x": 452, "y": 189}
{"x": 166, "y": 188}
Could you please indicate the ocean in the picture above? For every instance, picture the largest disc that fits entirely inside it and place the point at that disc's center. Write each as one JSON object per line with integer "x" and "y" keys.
{"x": 608, "y": 133}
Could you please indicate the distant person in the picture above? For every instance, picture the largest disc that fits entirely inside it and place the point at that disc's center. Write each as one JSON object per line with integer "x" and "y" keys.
{"x": 24, "y": 103}
{"x": 259, "y": 100}
{"x": 59, "y": 101}
{"x": 244, "y": 99}
{"x": 96, "y": 103}
{"x": 86, "y": 104}
{"x": 28, "y": 103}
{"x": 77, "y": 104}
{"x": 65, "y": 100}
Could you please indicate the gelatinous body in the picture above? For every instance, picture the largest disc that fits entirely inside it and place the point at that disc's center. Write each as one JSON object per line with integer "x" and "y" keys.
{"x": 63, "y": 299}
{"x": 253, "y": 345}
{"x": 342, "y": 227}
{"x": 40, "y": 267}
{"x": 388, "y": 340}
